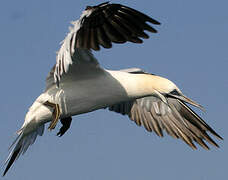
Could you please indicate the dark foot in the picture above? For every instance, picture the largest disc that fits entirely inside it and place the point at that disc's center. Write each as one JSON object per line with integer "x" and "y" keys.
{"x": 65, "y": 126}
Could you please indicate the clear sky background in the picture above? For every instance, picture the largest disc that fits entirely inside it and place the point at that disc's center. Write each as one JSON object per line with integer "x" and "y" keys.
{"x": 190, "y": 49}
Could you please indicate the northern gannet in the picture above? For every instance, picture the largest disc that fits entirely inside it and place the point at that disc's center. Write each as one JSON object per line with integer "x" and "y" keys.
{"x": 78, "y": 84}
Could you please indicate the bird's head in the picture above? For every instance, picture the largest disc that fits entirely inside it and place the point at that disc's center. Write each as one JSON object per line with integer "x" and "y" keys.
{"x": 165, "y": 88}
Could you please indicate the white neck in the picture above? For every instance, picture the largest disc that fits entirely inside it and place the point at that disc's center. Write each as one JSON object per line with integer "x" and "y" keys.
{"x": 140, "y": 85}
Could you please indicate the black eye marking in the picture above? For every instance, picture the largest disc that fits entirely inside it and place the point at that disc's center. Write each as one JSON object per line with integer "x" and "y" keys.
{"x": 174, "y": 92}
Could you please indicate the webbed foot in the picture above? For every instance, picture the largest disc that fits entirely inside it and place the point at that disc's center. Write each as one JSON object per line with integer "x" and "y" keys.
{"x": 66, "y": 122}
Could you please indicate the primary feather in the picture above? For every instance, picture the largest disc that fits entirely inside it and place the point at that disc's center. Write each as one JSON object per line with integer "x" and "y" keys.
{"x": 78, "y": 84}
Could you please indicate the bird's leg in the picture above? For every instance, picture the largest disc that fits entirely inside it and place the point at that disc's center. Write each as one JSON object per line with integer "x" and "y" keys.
{"x": 55, "y": 114}
{"x": 65, "y": 125}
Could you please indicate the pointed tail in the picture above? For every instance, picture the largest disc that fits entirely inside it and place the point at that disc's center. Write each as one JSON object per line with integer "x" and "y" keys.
{"x": 22, "y": 143}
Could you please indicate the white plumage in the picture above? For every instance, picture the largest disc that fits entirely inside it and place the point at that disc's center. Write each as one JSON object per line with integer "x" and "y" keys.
{"x": 78, "y": 84}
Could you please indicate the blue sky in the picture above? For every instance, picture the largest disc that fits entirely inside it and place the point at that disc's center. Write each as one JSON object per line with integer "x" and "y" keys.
{"x": 190, "y": 49}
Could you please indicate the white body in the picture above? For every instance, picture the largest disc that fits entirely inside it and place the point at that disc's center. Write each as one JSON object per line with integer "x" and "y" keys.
{"x": 95, "y": 91}
{"x": 77, "y": 84}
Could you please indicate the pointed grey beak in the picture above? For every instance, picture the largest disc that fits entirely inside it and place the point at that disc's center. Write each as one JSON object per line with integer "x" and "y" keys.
{"x": 188, "y": 100}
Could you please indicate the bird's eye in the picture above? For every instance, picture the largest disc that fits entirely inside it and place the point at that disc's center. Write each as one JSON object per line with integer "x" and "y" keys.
{"x": 174, "y": 92}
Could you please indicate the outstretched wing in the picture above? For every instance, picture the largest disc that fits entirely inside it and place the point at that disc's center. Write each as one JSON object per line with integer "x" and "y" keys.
{"x": 21, "y": 144}
{"x": 176, "y": 118}
{"x": 107, "y": 23}
{"x": 100, "y": 25}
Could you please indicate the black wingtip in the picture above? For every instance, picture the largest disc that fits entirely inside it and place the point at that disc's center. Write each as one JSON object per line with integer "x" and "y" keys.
{"x": 110, "y": 23}
{"x": 11, "y": 161}
{"x": 218, "y": 136}
{"x": 155, "y": 22}
{"x": 221, "y": 138}
{"x": 215, "y": 134}
{"x": 104, "y": 3}
{"x": 99, "y": 5}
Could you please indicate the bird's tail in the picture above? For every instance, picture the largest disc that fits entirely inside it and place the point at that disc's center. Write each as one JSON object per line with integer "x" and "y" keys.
{"x": 21, "y": 143}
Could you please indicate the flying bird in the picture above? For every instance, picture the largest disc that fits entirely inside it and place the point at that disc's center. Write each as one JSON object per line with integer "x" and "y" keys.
{"x": 77, "y": 84}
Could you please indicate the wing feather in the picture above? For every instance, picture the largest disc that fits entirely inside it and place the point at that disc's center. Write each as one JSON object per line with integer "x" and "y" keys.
{"x": 22, "y": 143}
{"x": 100, "y": 25}
{"x": 103, "y": 38}
{"x": 94, "y": 40}
{"x": 120, "y": 24}
{"x": 176, "y": 118}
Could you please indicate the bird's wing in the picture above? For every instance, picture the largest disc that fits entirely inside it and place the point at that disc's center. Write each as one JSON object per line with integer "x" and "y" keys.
{"x": 23, "y": 141}
{"x": 107, "y": 23}
{"x": 134, "y": 71}
{"x": 50, "y": 79}
{"x": 176, "y": 118}
{"x": 100, "y": 25}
